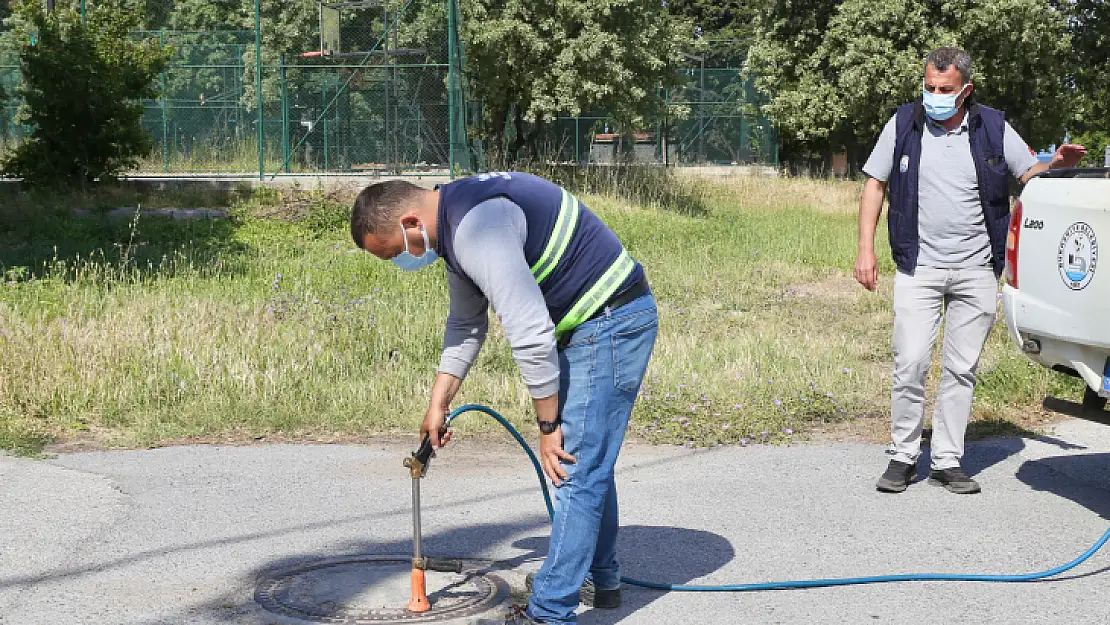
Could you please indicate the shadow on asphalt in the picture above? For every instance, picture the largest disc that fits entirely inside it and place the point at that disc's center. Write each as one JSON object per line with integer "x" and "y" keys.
{"x": 984, "y": 454}
{"x": 464, "y": 542}
{"x": 668, "y": 555}
{"x": 657, "y": 554}
{"x": 1075, "y": 409}
{"x": 1061, "y": 476}
{"x": 1080, "y": 478}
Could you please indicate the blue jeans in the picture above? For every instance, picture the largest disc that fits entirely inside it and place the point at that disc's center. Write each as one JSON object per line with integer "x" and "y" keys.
{"x": 602, "y": 367}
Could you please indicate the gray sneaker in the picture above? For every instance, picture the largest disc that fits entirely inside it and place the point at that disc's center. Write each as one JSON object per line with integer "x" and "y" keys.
{"x": 591, "y": 596}
{"x": 897, "y": 477}
{"x": 955, "y": 480}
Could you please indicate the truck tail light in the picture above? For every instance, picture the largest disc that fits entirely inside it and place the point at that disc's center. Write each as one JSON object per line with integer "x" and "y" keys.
{"x": 1013, "y": 237}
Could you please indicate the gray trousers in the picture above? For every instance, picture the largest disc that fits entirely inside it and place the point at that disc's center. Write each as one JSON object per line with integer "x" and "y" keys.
{"x": 967, "y": 300}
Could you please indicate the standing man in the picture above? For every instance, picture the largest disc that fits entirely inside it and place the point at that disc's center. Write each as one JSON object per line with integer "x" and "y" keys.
{"x": 581, "y": 320}
{"x": 947, "y": 161}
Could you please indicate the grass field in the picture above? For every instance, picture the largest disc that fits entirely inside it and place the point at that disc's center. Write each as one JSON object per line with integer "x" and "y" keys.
{"x": 271, "y": 325}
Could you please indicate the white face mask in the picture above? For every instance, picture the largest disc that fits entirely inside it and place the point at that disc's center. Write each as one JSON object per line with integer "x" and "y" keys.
{"x": 406, "y": 261}
{"x": 941, "y": 106}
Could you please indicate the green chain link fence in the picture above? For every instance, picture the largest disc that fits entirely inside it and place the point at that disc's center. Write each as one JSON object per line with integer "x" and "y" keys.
{"x": 719, "y": 127}
{"x": 376, "y": 87}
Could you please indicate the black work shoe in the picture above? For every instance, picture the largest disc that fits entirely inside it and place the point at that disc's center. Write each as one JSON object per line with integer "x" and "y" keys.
{"x": 591, "y": 596}
{"x": 515, "y": 616}
{"x": 897, "y": 477}
{"x": 955, "y": 480}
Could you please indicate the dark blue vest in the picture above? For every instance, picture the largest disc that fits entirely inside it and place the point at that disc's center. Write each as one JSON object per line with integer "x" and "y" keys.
{"x": 985, "y": 131}
{"x": 592, "y": 248}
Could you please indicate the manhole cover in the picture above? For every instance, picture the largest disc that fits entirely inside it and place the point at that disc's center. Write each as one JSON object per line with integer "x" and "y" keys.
{"x": 374, "y": 589}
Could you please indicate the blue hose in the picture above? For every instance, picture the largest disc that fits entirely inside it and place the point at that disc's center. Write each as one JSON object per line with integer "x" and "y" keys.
{"x": 807, "y": 583}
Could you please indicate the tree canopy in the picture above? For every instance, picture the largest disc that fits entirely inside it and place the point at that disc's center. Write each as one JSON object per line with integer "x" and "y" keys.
{"x": 835, "y": 71}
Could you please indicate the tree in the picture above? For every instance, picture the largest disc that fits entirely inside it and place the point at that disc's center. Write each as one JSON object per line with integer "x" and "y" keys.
{"x": 1090, "y": 20}
{"x": 835, "y": 71}
{"x": 528, "y": 62}
{"x": 81, "y": 91}
{"x": 726, "y": 26}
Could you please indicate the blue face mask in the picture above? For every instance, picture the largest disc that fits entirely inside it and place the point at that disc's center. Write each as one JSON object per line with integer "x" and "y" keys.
{"x": 940, "y": 106}
{"x": 407, "y": 261}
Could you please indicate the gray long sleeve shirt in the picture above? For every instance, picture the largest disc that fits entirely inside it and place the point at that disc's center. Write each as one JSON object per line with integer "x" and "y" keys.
{"x": 489, "y": 248}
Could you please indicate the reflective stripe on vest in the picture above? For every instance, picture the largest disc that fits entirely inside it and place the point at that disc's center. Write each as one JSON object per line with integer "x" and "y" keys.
{"x": 598, "y": 294}
{"x": 560, "y": 237}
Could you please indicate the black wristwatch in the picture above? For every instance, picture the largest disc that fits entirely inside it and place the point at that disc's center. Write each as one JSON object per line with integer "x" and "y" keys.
{"x": 547, "y": 427}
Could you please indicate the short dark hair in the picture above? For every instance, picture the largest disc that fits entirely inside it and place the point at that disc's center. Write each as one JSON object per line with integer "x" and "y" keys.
{"x": 941, "y": 58}
{"x": 378, "y": 205}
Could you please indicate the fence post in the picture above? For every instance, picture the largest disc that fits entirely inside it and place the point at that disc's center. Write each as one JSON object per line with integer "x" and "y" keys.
{"x": 324, "y": 103}
{"x": 451, "y": 87}
{"x": 666, "y": 127}
{"x": 577, "y": 147}
{"x": 701, "y": 114}
{"x": 165, "y": 123}
{"x": 284, "y": 116}
{"x": 258, "y": 83}
{"x": 82, "y": 11}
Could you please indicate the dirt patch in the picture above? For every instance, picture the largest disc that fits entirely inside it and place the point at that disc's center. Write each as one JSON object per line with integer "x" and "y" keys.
{"x": 295, "y": 204}
{"x": 107, "y": 440}
{"x": 836, "y": 287}
{"x": 875, "y": 428}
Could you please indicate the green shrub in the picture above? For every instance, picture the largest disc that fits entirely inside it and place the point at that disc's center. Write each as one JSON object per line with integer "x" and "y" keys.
{"x": 82, "y": 88}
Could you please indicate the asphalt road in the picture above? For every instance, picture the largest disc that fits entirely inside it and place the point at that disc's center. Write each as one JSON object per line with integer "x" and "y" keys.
{"x": 182, "y": 534}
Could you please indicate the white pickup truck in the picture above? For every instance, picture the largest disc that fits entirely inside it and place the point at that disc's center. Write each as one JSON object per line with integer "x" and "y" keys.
{"x": 1057, "y": 293}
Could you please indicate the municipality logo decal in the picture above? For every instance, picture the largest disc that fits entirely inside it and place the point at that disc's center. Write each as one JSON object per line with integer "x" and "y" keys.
{"x": 1077, "y": 257}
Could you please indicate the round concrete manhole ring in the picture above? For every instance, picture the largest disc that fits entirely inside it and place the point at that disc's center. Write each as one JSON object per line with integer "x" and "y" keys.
{"x": 375, "y": 589}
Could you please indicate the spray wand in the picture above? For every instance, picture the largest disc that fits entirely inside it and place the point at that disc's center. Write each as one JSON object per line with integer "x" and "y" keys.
{"x": 417, "y": 464}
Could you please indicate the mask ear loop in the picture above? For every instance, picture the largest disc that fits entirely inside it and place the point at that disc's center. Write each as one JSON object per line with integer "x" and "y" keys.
{"x": 427, "y": 244}
{"x": 405, "y": 238}
{"x": 966, "y": 85}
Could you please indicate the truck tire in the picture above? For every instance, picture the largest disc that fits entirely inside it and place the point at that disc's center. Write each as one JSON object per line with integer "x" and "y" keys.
{"x": 1092, "y": 401}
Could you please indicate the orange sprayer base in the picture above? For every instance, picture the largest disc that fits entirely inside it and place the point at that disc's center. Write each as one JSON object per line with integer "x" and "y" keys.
{"x": 419, "y": 600}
